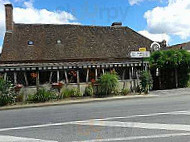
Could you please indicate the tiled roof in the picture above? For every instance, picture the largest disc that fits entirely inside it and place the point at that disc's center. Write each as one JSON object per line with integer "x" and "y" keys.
{"x": 185, "y": 46}
{"x": 63, "y": 42}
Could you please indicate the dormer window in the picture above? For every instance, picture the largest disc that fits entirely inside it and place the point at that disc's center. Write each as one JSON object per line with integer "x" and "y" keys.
{"x": 58, "y": 41}
{"x": 30, "y": 42}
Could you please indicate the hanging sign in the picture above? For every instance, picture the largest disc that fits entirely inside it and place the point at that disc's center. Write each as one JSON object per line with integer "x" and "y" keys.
{"x": 138, "y": 54}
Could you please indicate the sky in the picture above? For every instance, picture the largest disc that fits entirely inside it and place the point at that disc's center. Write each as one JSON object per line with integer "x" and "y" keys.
{"x": 156, "y": 19}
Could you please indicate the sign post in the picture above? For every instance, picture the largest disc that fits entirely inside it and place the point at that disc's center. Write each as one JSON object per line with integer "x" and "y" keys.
{"x": 142, "y": 50}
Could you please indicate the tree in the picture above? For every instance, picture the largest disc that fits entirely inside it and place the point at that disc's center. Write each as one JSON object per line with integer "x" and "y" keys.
{"x": 171, "y": 61}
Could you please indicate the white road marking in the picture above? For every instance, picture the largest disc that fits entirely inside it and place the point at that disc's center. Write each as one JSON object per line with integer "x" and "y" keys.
{"x": 148, "y": 115}
{"x": 20, "y": 139}
{"x": 138, "y": 137}
{"x": 36, "y": 126}
{"x": 104, "y": 119}
{"x": 181, "y": 113}
{"x": 158, "y": 126}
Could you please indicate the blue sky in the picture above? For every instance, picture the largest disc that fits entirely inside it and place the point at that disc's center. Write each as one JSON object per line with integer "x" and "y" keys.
{"x": 152, "y": 18}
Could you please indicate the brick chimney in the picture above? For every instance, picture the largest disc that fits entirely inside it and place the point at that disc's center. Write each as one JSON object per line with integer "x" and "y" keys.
{"x": 9, "y": 17}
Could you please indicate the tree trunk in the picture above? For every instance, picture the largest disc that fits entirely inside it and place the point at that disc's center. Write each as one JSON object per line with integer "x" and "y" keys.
{"x": 176, "y": 78}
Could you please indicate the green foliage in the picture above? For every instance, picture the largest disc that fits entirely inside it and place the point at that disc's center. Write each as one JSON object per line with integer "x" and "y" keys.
{"x": 169, "y": 58}
{"x": 67, "y": 93}
{"x": 168, "y": 62}
{"x": 145, "y": 81}
{"x": 29, "y": 98}
{"x": 125, "y": 91}
{"x": 108, "y": 83}
{"x": 19, "y": 98}
{"x": 43, "y": 95}
{"x": 76, "y": 93}
{"x": 89, "y": 91}
{"x": 7, "y": 95}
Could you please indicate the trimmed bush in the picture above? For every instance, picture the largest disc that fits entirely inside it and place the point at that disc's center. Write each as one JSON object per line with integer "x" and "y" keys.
{"x": 108, "y": 84}
{"x": 89, "y": 91}
{"x": 7, "y": 94}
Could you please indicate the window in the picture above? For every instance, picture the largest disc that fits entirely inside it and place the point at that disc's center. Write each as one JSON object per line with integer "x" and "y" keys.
{"x": 30, "y": 42}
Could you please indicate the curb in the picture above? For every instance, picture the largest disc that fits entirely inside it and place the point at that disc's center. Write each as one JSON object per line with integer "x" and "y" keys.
{"x": 70, "y": 102}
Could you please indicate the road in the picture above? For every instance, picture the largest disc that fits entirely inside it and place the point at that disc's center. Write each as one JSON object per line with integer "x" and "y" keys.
{"x": 164, "y": 118}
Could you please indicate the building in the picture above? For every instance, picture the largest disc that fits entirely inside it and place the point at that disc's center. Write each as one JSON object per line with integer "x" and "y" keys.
{"x": 185, "y": 46}
{"x": 37, "y": 54}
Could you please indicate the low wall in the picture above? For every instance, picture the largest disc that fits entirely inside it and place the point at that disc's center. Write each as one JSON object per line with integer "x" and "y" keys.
{"x": 129, "y": 84}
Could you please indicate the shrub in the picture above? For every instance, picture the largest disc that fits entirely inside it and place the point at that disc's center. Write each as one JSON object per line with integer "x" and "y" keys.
{"x": 125, "y": 91}
{"x": 76, "y": 93}
{"x": 20, "y": 98}
{"x": 29, "y": 98}
{"x": 108, "y": 83}
{"x": 89, "y": 91}
{"x": 145, "y": 81}
{"x": 43, "y": 95}
{"x": 7, "y": 94}
{"x": 65, "y": 93}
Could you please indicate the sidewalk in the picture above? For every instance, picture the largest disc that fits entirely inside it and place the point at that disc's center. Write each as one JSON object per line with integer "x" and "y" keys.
{"x": 76, "y": 101}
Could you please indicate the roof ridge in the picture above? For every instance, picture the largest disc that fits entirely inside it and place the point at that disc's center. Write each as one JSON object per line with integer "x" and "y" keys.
{"x": 42, "y": 24}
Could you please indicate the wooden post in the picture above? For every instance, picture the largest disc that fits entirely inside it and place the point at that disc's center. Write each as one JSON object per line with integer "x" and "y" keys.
{"x": 37, "y": 80}
{"x": 50, "y": 77}
{"x": 130, "y": 74}
{"x": 130, "y": 77}
{"x": 103, "y": 70}
{"x": 25, "y": 77}
{"x": 123, "y": 76}
{"x": 78, "y": 77}
{"x": 96, "y": 74}
{"x": 78, "y": 80}
{"x": 66, "y": 77}
{"x": 87, "y": 75}
{"x": 58, "y": 76}
{"x": 137, "y": 74}
{"x": 5, "y": 76}
{"x": 146, "y": 68}
{"x": 15, "y": 78}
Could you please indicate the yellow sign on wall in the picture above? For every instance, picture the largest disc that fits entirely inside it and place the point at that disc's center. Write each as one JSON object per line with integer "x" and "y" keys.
{"x": 142, "y": 49}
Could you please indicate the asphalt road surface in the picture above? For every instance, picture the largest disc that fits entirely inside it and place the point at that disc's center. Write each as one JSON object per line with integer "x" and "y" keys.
{"x": 165, "y": 118}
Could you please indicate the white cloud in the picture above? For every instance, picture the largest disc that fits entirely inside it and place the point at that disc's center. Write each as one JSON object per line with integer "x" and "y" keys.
{"x": 155, "y": 37}
{"x": 29, "y": 14}
{"x": 0, "y": 49}
{"x": 172, "y": 19}
{"x": 2, "y": 17}
{"x": 133, "y": 2}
